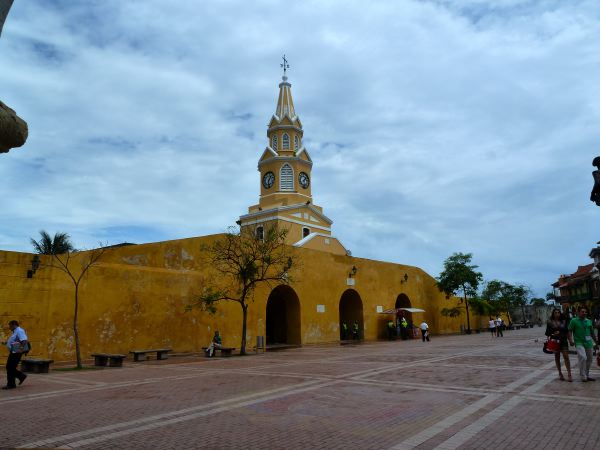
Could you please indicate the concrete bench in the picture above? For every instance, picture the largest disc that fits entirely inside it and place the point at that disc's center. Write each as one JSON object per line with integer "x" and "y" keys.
{"x": 113, "y": 360}
{"x": 140, "y": 355}
{"x": 36, "y": 365}
{"x": 225, "y": 351}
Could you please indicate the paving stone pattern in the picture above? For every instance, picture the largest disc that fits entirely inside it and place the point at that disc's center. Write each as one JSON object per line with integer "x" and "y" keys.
{"x": 466, "y": 392}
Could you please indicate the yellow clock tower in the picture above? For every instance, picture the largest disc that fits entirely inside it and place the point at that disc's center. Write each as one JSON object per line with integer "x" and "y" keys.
{"x": 285, "y": 183}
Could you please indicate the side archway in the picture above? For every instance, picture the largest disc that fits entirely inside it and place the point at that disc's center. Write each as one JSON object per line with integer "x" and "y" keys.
{"x": 351, "y": 310}
{"x": 283, "y": 317}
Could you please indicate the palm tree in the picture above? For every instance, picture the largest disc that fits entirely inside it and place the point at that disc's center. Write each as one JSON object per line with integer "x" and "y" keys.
{"x": 61, "y": 243}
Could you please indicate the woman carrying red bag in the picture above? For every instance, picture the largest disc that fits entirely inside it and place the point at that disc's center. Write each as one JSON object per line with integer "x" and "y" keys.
{"x": 557, "y": 328}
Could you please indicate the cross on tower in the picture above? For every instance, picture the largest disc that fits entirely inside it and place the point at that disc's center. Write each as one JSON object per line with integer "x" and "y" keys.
{"x": 285, "y": 65}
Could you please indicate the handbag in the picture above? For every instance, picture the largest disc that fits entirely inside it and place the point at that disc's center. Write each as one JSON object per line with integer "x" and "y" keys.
{"x": 546, "y": 349}
{"x": 553, "y": 345}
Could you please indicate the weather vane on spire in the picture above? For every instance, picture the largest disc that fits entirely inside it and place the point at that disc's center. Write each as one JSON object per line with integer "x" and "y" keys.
{"x": 285, "y": 65}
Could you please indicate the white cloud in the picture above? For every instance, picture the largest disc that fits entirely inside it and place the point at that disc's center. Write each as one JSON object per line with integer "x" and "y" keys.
{"x": 434, "y": 127}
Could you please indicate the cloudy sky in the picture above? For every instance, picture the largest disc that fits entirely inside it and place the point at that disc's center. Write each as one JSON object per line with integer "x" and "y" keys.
{"x": 434, "y": 126}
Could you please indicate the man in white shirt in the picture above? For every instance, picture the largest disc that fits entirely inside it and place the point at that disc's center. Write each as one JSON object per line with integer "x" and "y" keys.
{"x": 493, "y": 327}
{"x": 499, "y": 326}
{"x": 17, "y": 345}
{"x": 424, "y": 331}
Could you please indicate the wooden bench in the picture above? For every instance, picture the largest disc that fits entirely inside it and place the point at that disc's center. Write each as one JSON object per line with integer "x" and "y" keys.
{"x": 102, "y": 359}
{"x": 36, "y": 365}
{"x": 225, "y": 351}
{"x": 140, "y": 355}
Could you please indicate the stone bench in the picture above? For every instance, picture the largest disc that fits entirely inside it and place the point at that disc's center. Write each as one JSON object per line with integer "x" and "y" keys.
{"x": 140, "y": 355}
{"x": 113, "y": 360}
{"x": 36, "y": 365}
{"x": 225, "y": 351}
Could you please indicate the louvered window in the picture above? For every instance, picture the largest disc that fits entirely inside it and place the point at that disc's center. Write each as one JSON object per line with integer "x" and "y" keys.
{"x": 296, "y": 143}
{"x": 286, "y": 178}
{"x": 285, "y": 142}
{"x": 274, "y": 142}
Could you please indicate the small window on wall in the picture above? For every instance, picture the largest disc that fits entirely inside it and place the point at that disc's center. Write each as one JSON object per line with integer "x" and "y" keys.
{"x": 285, "y": 141}
{"x": 260, "y": 233}
{"x": 296, "y": 143}
{"x": 305, "y": 232}
{"x": 286, "y": 178}
{"x": 274, "y": 142}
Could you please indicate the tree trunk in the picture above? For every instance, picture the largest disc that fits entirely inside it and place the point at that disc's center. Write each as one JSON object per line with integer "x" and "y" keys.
{"x": 468, "y": 330}
{"x": 244, "y": 318}
{"x": 75, "y": 330}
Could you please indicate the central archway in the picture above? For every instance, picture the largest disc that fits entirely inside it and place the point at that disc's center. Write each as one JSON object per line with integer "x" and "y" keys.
{"x": 283, "y": 317}
{"x": 351, "y": 310}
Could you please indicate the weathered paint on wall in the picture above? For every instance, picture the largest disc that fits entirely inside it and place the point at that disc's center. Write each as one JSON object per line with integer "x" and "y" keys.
{"x": 136, "y": 297}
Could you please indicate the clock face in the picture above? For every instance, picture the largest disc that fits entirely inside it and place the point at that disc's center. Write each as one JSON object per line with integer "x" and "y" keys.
{"x": 268, "y": 180}
{"x": 303, "y": 180}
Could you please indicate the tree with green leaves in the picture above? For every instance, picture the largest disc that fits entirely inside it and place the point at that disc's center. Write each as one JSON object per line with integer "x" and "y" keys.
{"x": 245, "y": 261}
{"x": 521, "y": 294}
{"x": 460, "y": 277}
{"x": 57, "y": 245}
{"x": 500, "y": 295}
{"x": 75, "y": 267}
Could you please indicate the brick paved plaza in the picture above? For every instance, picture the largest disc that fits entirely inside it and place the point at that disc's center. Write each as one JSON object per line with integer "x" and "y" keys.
{"x": 454, "y": 392}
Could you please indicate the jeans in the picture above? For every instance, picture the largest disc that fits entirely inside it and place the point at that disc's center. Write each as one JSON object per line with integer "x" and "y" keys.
{"x": 584, "y": 358}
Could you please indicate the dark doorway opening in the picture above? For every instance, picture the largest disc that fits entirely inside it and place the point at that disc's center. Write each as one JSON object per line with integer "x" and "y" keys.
{"x": 283, "y": 317}
{"x": 351, "y": 310}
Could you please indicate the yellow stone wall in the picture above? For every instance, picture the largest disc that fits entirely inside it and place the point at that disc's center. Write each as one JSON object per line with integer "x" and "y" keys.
{"x": 135, "y": 298}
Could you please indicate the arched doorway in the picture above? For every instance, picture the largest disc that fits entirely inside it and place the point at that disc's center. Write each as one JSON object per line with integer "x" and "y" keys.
{"x": 351, "y": 309}
{"x": 283, "y": 317}
{"x": 404, "y": 302}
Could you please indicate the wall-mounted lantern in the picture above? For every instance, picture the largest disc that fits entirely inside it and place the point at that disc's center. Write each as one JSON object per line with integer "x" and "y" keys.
{"x": 352, "y": 272}
{"x": 404, "y": 279}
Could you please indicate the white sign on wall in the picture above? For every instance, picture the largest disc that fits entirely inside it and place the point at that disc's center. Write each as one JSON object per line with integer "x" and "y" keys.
{"x": 320, "y": 308}
{"x": 350, "y": 281}
{"x": 379, "y": 308}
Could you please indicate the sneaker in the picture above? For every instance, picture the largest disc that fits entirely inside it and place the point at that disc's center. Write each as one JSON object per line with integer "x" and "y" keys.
{"x": 22, "y": 379}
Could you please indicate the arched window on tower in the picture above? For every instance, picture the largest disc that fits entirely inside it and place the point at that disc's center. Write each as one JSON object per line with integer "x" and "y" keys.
{"x": 285, "y": 141}
{"x": 274, "y": 142}
{"x": 296, "y": 143}
{"x": 286, "y": 178}
{"x": 260, "y": 233}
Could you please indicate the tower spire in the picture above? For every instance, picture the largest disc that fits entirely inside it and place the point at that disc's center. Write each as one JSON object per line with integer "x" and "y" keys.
{"x": 285, "y": 104}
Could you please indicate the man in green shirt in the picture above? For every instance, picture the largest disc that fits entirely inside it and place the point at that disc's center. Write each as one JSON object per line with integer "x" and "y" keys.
{"x": 581, "y": 332}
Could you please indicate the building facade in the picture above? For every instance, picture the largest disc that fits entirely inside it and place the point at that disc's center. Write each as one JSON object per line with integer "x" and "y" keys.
{"x": 136, "y": 296}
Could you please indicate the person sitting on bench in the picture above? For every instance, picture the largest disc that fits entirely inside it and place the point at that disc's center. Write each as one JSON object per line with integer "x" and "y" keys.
{"x": 216, "y": 343}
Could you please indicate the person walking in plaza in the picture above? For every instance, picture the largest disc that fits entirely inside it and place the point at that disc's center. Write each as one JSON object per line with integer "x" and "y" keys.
{"x": 557, "y": 328}
{"x": 18, "y": 345}
{"x": 216, "y": 343}
{"x": 499, "y": 326}
{"x": 492, "y": 327}
{"x": 581, "y": 335}
{"x": 424, "y": 331}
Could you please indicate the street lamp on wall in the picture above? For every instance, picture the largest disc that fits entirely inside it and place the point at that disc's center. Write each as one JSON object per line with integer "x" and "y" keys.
{"x": 404, "y": 279}
{"x": 35, "y": 265}
{"x": 352, "y": 272}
